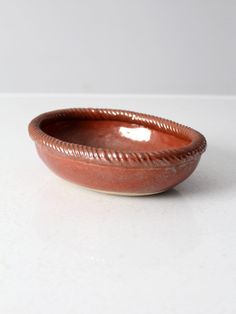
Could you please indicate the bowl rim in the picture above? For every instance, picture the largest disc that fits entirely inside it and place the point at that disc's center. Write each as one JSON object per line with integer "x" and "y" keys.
{"x": 109, "y": 156}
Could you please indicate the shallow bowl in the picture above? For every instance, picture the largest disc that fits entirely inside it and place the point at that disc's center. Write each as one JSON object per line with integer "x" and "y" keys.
{"x": 117, "y": 151}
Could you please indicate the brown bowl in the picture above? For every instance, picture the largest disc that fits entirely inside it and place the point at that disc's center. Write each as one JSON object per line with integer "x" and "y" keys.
{"x": 117, "y": 151}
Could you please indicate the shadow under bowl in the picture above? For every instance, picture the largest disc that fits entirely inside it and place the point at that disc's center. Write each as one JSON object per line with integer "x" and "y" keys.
{"x": 117, "y": 151}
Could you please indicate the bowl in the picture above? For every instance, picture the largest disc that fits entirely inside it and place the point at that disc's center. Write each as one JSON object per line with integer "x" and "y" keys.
{"x": 117, "y": 151}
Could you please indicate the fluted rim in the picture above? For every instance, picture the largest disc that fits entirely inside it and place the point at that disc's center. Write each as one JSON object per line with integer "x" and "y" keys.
{"x": 108, "y": 156}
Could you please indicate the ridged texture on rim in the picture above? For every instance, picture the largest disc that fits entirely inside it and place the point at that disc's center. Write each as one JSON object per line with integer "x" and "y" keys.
{"x": 109, "y": 156}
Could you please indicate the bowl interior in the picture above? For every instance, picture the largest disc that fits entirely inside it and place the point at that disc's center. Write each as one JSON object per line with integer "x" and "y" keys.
{"x": 118, "y": 135}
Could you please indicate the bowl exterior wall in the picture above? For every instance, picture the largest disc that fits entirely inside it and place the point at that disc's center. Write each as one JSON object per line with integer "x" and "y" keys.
{"x": 118, "y": 179}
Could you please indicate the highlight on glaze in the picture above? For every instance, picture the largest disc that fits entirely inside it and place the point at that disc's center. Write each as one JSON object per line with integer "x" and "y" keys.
{"x": 137, "y": 134}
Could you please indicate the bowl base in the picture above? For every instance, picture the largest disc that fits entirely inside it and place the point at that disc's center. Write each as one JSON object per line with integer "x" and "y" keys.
{"x": 123, "y": 193}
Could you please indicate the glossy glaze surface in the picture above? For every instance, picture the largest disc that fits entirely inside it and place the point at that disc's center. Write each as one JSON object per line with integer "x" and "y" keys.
{"x": 116, "y": 135}
{"x": 117, "y": 151}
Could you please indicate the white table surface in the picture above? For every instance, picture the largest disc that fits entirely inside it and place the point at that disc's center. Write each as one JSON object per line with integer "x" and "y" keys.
{"x": 64, "y": 249}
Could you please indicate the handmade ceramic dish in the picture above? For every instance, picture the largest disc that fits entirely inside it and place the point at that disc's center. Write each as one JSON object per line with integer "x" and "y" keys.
{"x": 117, "y": 151}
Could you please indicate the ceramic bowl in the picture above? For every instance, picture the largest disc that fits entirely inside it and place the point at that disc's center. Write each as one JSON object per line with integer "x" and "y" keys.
{"x": 117, "y": 151}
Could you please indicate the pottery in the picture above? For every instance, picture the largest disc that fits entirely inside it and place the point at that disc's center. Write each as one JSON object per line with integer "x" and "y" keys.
{"x": 117, "y": 151}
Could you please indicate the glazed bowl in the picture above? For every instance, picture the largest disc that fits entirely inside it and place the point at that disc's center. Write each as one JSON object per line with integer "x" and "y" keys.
{"x": 117, "y": 151}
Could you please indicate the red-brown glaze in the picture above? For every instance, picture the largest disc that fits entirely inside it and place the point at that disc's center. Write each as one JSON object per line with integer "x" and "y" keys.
{"x": 118, "y": 179}
{"x": 117, "y": 151}
{"x": 117, "y": 135}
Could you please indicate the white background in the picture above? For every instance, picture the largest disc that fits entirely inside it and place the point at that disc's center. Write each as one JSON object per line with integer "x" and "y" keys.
{"x": 118, "y": 46}
{"x": 64, "y": 249}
